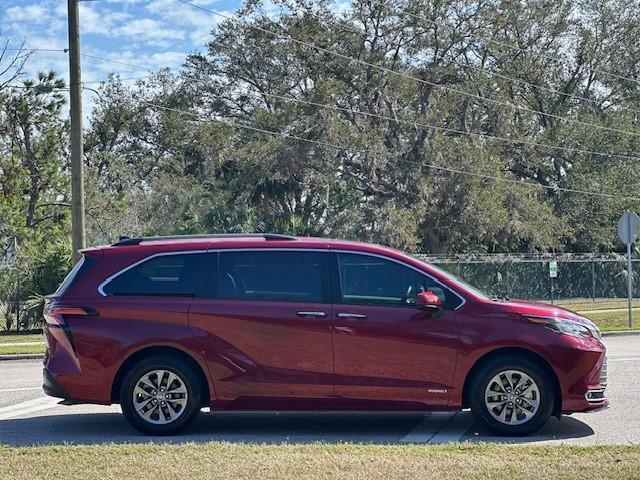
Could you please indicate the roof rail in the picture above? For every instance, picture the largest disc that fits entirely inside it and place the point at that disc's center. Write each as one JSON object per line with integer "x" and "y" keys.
{"x": 124, "y": 240}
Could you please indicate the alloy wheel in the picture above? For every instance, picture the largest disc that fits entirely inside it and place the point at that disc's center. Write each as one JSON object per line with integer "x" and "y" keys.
{"x": 160, "y": 396}
{"x": 512, "y": 397}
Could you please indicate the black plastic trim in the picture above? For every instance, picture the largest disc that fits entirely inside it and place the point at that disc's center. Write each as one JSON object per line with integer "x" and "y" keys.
{"x": 51, "y": 386}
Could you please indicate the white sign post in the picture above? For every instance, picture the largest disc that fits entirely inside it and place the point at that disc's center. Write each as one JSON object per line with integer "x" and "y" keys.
{"x": 553, "y": 269}
{"x": 553, "y": 273}
{"x": 628, "y": 233}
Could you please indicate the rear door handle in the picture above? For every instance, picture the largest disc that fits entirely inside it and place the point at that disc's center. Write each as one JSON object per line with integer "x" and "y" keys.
{"x": 351, "y": 315}
{"x": 311, "y": 314}
{"x": 347, "y": 330}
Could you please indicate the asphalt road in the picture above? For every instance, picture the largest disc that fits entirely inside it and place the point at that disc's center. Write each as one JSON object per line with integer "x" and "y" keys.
{"x": 28, "y": 417}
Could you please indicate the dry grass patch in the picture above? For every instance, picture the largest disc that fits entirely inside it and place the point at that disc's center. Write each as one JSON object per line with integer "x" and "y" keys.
{"x": 318, "y": 461}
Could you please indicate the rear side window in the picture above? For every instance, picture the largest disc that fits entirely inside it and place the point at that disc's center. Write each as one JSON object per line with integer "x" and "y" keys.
{"x": 277, "y": 276}
{"x": 76, "y": 273}
{"x": 163, "y": 275}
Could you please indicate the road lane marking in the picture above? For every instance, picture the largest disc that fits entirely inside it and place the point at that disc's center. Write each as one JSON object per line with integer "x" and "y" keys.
{"x": 21, "y": 405}
{"x": 606, "y": 310}
{"x": 427, "y": 428}
{"x": 25, "y": 408}
{"x": 21, "y": 344}
{"x": 622, "y": 359}
{"x": 25, "y": 389}
{"x": 455, "y": 429}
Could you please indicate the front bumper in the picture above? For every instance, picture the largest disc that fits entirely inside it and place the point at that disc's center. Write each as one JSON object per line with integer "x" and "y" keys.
{"x": 596, "y": 396}
{"x": 587, "y": 391}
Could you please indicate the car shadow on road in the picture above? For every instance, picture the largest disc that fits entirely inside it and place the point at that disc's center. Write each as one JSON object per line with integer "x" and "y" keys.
{"x": 271, "y": 428}
{"x": 564, "y": 430}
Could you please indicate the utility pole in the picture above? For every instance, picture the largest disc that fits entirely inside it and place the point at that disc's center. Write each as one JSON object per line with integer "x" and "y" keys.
{"x": 75, "y": 89}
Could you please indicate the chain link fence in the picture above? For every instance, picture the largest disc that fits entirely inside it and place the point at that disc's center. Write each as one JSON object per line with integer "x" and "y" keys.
{"x": 580, "y": 277}
{"x": 18, "y": 316}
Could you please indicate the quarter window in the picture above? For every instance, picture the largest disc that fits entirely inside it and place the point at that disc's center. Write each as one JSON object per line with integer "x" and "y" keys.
{"x": 370, "y": 280}
{"x": 77, "y": 272}
{"x": 169, "y": 275}
{"x": 288, "y": 276}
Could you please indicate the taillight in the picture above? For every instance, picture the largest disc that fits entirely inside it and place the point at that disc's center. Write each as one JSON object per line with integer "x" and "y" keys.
{"x": 54, "y": 316}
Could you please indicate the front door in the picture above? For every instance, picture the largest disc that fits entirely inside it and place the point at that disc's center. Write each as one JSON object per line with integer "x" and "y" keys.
{"x": 386, "y": 349}
{"x": 263, "y": 321}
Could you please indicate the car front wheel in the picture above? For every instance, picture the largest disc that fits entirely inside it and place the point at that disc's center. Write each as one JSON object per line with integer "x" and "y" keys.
{"x": 160, "y": 395}
{"x": 512, "y": 396}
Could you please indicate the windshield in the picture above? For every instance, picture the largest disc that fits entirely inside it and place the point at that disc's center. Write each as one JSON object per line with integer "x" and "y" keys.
{"x": 457, "y": 280}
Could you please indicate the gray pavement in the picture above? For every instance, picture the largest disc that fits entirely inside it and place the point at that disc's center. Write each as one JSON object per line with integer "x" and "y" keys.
{"x": 27, "y": 417}
{"x": 20, "y": 380}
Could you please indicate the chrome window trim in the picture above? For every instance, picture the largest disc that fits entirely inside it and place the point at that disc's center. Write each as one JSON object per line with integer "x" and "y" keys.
{"x": 464, "y": 300}
{"x": 277, "y": 249}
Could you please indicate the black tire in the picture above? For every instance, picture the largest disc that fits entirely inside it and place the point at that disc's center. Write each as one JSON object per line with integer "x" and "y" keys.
{"x": 187, "y": 376}
{"x": 487, "y": 372}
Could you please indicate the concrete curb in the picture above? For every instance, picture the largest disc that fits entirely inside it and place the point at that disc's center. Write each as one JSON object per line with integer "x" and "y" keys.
{"x": 620, "y": 333}
{"x": 24, "y": 356}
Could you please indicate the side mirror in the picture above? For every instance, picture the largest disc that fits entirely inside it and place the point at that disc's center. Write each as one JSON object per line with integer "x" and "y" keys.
{"x": 428, "y": 301}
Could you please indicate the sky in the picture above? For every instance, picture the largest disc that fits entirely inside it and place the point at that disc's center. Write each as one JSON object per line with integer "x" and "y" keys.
{"x": 149, "y": 34}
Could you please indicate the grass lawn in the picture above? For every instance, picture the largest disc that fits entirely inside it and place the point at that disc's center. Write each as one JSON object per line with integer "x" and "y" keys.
{"x": 612, "y": 321}
{"x": 319, "y": 461}
{"x": 11, "y": 349}
{"x": 19, "y": 338}
{"x": 10, "y": 344}
{"x": 599, "y": 304}
{"x": 607, "y": 321}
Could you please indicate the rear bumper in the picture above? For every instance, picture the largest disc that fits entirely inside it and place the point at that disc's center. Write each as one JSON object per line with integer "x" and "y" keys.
{"x": 63, "y": 376}
{"x": 51, "y": 386}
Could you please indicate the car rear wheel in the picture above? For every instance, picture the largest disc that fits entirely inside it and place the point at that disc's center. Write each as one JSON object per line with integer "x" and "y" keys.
{"x": 160, "y": 395}
{"x": 512, "y": 396}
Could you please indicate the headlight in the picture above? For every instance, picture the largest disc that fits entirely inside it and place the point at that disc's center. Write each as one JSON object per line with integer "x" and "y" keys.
{"x": 569, "y": 327}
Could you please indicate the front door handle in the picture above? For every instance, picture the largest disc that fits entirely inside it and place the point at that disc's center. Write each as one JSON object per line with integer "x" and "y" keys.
{"x": 351, "y": 315}
{"x": 311, "y": 314}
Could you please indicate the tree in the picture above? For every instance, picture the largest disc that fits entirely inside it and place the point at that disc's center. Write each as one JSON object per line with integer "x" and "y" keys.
{"x": 34, "y": 208}
{"x": 411, "y": 124}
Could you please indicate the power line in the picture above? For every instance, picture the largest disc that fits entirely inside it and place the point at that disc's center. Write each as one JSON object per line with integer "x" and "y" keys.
{"x": 405, "y": 75}
{"x": 39, "y": 88}
{"x": 507, "y": 45}
{"x": 434, "y": 127}
{"x": 447, "y": 129}
{"x": 431, "y": 166}
{"x": 199, "y": 118}
{"x": 27, "y": 49}
{"x": 118, "y": 62}
{"x": 489, "y": 72}
{"x": 125, "y": 79}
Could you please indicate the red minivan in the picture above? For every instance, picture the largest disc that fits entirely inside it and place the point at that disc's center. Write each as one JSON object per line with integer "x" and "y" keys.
{"x": 167, "y": 325}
